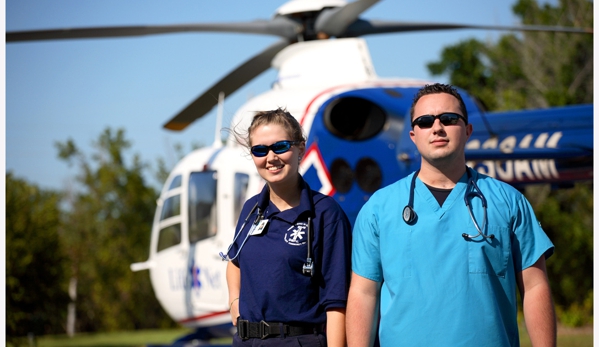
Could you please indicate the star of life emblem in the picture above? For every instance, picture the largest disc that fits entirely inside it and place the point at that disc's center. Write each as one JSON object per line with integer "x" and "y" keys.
{"x": 296, "y": 235}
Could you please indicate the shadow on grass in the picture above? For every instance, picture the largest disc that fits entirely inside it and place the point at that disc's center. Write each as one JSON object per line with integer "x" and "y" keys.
{"x": 567, "y": 337}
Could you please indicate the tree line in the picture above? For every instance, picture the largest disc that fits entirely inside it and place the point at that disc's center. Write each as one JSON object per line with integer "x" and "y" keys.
{"x": 68, "y": 252}
{"x": 73, "y": 248}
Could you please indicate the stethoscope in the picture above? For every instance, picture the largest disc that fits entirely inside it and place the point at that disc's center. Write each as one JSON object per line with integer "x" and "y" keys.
{"x": 472, "y": 191}
{"x": 225, "y": 256}
{"x": 307, "y": 268}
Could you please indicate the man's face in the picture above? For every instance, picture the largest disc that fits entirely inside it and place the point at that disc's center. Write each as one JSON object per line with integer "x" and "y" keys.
{"x": 440, "y": 143}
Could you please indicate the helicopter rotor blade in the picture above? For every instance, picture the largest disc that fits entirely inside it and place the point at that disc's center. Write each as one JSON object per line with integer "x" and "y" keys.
{"x": 227, "y": 85}
{"x": 363, "y": 27}
{"x": 335, "y": 21}
{"x": 279, "y": 26}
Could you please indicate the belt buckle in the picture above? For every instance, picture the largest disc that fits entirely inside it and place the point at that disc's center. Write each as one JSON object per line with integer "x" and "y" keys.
{"x": 243, "y": 328}
{"x": 263, "y": 329}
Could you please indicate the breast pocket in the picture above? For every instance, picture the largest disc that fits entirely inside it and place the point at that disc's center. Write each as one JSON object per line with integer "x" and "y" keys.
{"x": 396, "y": 248}
{"x": 489, "y": 255}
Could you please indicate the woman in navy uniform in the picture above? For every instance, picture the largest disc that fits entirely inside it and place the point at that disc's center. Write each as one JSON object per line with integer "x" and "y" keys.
{"x": 289, "y": 272}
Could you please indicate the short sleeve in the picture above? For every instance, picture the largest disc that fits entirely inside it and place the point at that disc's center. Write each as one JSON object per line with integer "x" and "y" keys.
{"x": 336, "y": 250}
{"x": 529, "y": 241}
{"x": 366, "y": 257}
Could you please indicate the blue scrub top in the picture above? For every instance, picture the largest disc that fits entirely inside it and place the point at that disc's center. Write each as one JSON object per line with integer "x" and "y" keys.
{"x": 440, "y": 289}
{"x": 273, "y": 287}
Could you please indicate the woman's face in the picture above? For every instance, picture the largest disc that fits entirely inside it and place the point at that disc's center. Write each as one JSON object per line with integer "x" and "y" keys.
{"x": 276, "y": 169}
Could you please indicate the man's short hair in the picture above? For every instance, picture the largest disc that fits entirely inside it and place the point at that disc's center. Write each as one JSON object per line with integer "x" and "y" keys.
{"x": 439, "y": 88}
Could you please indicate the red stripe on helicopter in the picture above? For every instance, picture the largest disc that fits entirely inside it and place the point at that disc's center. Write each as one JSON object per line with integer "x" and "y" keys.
{"x": 367, "y": 84}
{"x": 210, "y": 315}
{"x": 313, "y": 158}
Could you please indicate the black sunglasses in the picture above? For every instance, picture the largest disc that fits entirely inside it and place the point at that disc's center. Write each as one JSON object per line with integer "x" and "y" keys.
{"x": 427, "y": 121}
{"x": 279, "y": 147}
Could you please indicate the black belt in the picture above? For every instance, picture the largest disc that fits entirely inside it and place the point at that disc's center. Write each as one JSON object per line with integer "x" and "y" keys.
{"x": 263, "y": 330}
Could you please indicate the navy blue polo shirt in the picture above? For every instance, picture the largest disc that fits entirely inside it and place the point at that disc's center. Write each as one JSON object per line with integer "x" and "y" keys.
{"x": 273, "y": 287}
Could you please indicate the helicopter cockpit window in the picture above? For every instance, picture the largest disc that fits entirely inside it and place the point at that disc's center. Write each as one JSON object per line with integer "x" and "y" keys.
{"x": 175, "y": 183}
{"x": 171, "y": 207}
{"x": 369, "y": 175}
{"x": 202, "y": 205}
{"x": 354, "y": 119}
{"x": 169, "y": 236}
{"x": 342, "y": 175}
{"x": 240, "y": 191}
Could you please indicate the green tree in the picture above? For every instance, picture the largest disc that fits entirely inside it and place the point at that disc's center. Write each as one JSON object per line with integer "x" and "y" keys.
{"x": 531, "y": 69}
{"x": 558, "y": 66}
{"x": 36, "y": 299}
{"x": 567, "y": 217}
{"x": 107, "y": 228}
{"x": 468, "y": 55}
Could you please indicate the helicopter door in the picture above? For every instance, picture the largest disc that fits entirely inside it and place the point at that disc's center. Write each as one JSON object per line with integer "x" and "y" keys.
{"x": 207, "y": 285}
{"x": 168, "y": 277}
{"x": 206, "y": 194}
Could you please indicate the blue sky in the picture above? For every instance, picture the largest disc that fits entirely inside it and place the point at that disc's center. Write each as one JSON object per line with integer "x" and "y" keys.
{"x": 73, "y": 89}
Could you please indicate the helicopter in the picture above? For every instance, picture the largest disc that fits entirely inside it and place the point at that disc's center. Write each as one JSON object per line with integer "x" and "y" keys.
{"x": 357, "y": 140}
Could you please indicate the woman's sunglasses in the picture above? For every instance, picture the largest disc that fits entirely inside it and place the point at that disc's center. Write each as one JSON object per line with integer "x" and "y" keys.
{"x": 427, "y": 121}
{"x": 279, "y": 147}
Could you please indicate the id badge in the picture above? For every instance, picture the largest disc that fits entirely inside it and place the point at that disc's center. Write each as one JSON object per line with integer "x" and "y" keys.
{"x": 257, "y": 229}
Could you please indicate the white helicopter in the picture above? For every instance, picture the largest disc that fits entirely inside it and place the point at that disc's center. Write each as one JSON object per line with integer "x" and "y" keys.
{"x": 355, "y": 123}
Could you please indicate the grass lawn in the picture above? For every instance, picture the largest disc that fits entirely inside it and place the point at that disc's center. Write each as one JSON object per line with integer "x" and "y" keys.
{"x": 567, "y": 337}
{"x": 139, "y": 338}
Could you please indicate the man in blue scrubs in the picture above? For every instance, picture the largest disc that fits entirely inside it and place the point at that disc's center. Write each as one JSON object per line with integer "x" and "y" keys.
{"x": 444, "y": 273}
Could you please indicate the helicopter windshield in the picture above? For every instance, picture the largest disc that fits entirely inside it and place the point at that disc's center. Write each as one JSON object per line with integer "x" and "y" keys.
{"x": 202, "y": 205}
{"x": 170, "y": 226}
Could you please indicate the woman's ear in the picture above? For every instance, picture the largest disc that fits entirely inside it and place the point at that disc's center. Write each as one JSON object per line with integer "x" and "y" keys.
{"x": 302, "y": 149}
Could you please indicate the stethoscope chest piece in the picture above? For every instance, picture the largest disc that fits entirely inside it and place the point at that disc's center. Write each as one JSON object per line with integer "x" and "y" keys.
{"x": 409, "y": 216}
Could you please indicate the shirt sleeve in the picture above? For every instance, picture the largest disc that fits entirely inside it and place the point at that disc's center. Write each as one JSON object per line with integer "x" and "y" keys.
{"x": 336, "y": 257}
{"x": 366, "y": 257}
{"x": 529, "y": 242}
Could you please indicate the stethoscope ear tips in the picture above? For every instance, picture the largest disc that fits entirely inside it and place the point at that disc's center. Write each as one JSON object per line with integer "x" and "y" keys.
{"x": 409, "y": 216}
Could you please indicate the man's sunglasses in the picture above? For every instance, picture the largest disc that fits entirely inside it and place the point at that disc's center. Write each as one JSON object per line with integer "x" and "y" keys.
{"x": 427, "y": 121}
{"x": 277, "y": 147}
